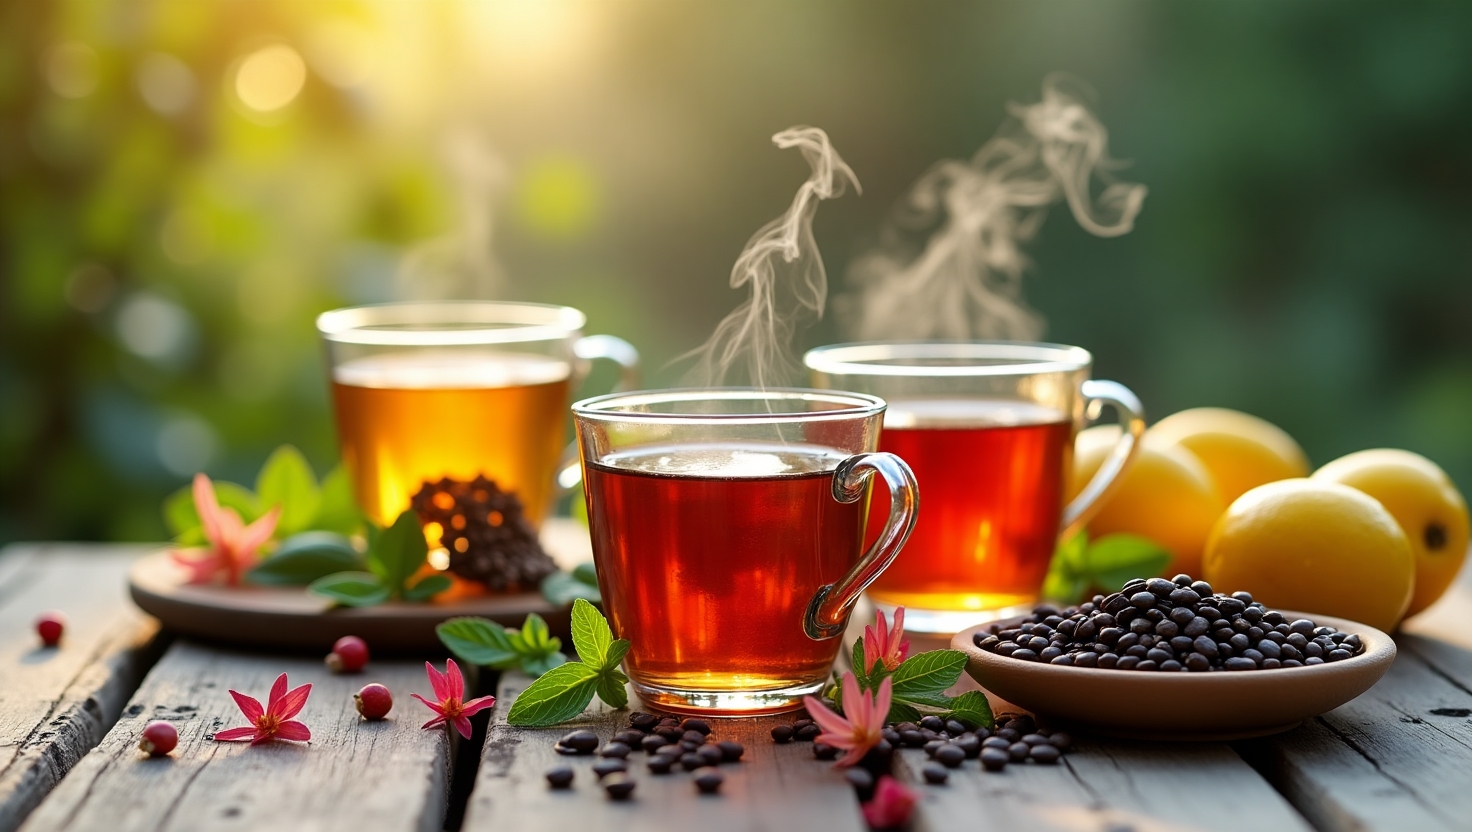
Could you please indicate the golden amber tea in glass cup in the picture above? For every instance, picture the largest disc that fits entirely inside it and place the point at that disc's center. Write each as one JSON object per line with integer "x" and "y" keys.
{"x": 471, "y": 392}
{"x": 988, "y": 428}
{"x": 728, "y": 531}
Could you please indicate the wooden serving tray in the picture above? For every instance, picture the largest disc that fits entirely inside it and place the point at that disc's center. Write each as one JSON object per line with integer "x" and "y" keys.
{"x": 290, "y": 618}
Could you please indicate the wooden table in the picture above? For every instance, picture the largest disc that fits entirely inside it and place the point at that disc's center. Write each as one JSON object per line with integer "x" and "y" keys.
{"x": 1397, "y": 758}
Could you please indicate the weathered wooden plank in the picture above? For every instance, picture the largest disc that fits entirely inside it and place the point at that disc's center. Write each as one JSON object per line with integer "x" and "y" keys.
{"x": 774, "y": 787}
{"x": 354, "y": 775}
{"x": 57, "y": 703}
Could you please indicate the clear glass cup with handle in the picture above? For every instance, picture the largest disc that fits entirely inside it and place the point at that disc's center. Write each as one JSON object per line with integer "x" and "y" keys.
{"x": 458, "y": 390}
{"x": 988, "y": 428}
{"x": 728, "y": 531}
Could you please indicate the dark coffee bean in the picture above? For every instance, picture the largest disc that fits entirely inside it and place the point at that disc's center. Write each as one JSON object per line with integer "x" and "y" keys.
{"x": 1302, "y": 625}
{"x": 661, "y": 763}
{"x": 800, "y": 722}
{"x": 641, "y": 721}
{"x": 1142, "y": 600}
{"x": 1127, "y": 662}
{"x": 824, "y": 752}
{"x": 1275, "y": 637}
{"x": 1062, "y": 660}
{"x": 688, "y": 747}
{"x": 1255, "y": 655}
{"x": 1241, "y": 625}
{"x": 1140, "y": 626}
{"x": 892, "y": 735}
{"x": 1205, "y": 646}
{"x": 1025, "y": 654}
{"x": 603, "y": 768}
{"x": 712, "y": 755}
{"x": 1255, "y": 633}
{"x": 1051, "y": 653}
{"x": 782, "y": 733}
{"x": 1006, "y": 648}
{"x": 1290, "y": 653}
{"x": 1159, "y": 587}
{"x": 996, "y": 742}
{"x": 1224, "y": 650}
{"x": 1086, "y": 660}
{"x": 1154, "y": 616}
{"x": 934, "y": 723}
{"x": 1023, "y": 724}
{"x": 1181, "y": 644}
{"x": 693, "y": 724}
{"x": 995, "y": 759}
{"x": 1244, "y": 597}
{"x": 1269, "y": 664}
{"x": 583, "y": 742}
{"x": 950, "y": 756}
{"x": 1126, "y": 641}
{"x": 1196, "y": 626}
{"x": 690, "y": 761}
{"x": 1240, "y": 642}
{"x": 955, "y": 728}
{"x": 1181, "y": 580}
{"x": 1045, "y": 754}
{"x": 1239, "y": 663}
{"x": 935, "y": 774}
{"x": 559, "y": 777}
{"x": 1203, "y": 589}
{"x": 1182, "y": 616}
{"x": 1209, "y": 612}
{"x": 1147, "y": 665}
{"x": 861, "y": 780}
{"x": 1314, "y": 650}
{"x": 1170, "y": 666}
{"x": 1158, "y": 655}
{"x": 1298, "y": 640}
{"x": 564, "y": 750}
{"x": 1167, "y": 629}
{"x": 1034, "y": 739}
{"x": 1111, "y": 635}
{"x": 708, "y": 780}
{"x": 618, "y": 786}
{"x": 970, "y": 745}
{"x": 1352, "y": 642}
{"x": 731, "y": 750}
{"x": 1273, "y": 617}
{"x": 912, "y": 739}
{"x": 695, "y": 737}
{"x": 1252, "y": 614}
{"x": 807, "y": 732}
{"x": 1019, "y": 751}
{"x": 1198, "y": 662}
{"x": 615, "y": 749}
{"x": 1183, "y": 595}
{"x": 653, "y": 743}
{"x": 630, "y": 738}
{"x": 1283, "y": 628}
{"x": 1292, "y": 663}
{"x": 1108, "y": 661}
{"x": 1311, "y": 660}
{"x": 1231, "y": 607}
{"x": 1138, "y": 651}
{"x": 1338, "y": 654}
{"x": 1037, "y": 644}
{"x": 934, "y": 746}
{"x": 672, "y": 733}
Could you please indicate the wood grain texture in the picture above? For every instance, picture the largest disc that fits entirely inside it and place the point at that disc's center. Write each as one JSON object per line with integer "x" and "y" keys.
{"x": 353, "y": 776}
{"x": 57, "y": 703}
{"x": 775, "y": 787}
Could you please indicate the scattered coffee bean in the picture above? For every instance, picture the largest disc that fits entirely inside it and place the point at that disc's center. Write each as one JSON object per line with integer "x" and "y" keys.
{"x": 1061, "y": 740}
{"x": 653, "y": 743}
{"x": 661, "y": 763}
{"x": 995, "y": 742}
{"x": 782, "y": 733}
{"x": 691, "y": 761}
{"x": 629, "y": 738}
{"x": 1009, "y": 734}
{"x": 969, "y": 745}
{"x": 1035, "y": 739}
{"x": 693, "y": 724}
{"x": 731, "y": 750}
{"x": 712, "y": 755}
{"x": 955, "y": 728}
{"x": 693, "y": 736}
{"x": 934, "y": 723}
{"x": 1046, "y": 754}
{"x": 708, "y": 780}
{"x": 641, "y": 721}
{"x": 912, "y": 739}
{"x": 615, "y": 749}
{"x": 603, "y": 768}
{"x": 618, "y": 786}
{"x": 994, "y": 759}
{"x": 1019, "y": 751}
{"x": 581, "y": 742}
{"x": 860, "y": 779}
{"x": 824, "y": 752}
{"x": 559, "y": 777}
{"x": 950, "y": 756}
{"x": 808, "y": 732}
{"x": 935, "y": 773}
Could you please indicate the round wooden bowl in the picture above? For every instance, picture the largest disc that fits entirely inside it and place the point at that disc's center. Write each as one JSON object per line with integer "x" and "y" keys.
{"x": 1225, "y": 705}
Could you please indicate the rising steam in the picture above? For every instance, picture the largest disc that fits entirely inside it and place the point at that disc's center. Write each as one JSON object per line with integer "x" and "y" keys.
{"x": 966, "y": 280}
{"x": 783, "y": 269}
{"x": 461, "y": 263}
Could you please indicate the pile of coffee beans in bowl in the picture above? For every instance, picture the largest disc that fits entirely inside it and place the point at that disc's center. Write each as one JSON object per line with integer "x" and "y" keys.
{"x": 1172, "y": 626}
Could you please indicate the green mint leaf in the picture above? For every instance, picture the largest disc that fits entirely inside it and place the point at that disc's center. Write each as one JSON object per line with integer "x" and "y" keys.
{"x": 556, "y": 696}
{"x": 427, "y": 587}
{"x": 183, "y": 520}
{"x": 1115, "y": 559}
{"x": 861, "y": 668}
{"x": 930, "y": 672}
{"x": 478, "y": 641}
{"x": 612, "y": 688}
{"x": 616, "y": 653}
{"x": 535, "y": 633}
{"x": 971, "y": 708}
{"x": 351, "y": 589}
{"x": 399, "y": 552}
{"x": 1064, "y": 589}
{"x": 1071, "y": 552}
{"x": 586, "y": 573}
{"x": 591, "y": 636}
{"x": 928, "y": 700}
{"x": 901, "y": 712}
{"x": 537, "y": 665}
{"x": 561, "y": 589}
{"x": 286, "y": 480}
{"x": 305, "y": 557}
{"x": 338, "y": 511}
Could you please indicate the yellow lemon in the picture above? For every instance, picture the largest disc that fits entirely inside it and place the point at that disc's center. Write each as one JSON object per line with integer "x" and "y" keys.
{"x": 1165, "y": 495}
{"x": 1314, "y": 546}
{"x": 1240, "y": 450}
{"x": 1421, "y": 497}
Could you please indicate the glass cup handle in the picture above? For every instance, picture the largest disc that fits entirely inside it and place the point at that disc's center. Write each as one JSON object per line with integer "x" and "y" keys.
{"x": 1132, "y": 419}
{"x": 828, "y": 611}
{"x": 593, "y": 348}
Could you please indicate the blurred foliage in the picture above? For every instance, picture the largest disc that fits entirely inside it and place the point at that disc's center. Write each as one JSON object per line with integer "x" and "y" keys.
{"x": 187, "y": 183}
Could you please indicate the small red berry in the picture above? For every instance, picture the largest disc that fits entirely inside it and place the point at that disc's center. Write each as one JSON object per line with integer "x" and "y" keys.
{"x": 159, "y": 738}
{"x": 374, "y": 701}
{"x": 50, "y": 626}
{"x": 348, "y": 655}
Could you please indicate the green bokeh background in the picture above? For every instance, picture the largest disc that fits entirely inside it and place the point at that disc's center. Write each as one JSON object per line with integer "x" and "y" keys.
{"x": 1303, "y": 253}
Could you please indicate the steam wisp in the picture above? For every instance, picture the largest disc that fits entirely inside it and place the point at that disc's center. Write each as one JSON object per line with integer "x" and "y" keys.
{"x": 461, "y": 263}
{"x": 783, "y": 270}
{"x": 966, "y": 281}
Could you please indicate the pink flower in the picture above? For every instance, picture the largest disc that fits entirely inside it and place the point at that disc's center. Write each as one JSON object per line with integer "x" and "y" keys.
{"x": 891, "y": 805}
{"x": 858, "y": 730}
{"x": 884, "y": 644}
{"x": 274, "y": 722}
{"x": 233, "y": 545}
{"x": 449, "y": 687}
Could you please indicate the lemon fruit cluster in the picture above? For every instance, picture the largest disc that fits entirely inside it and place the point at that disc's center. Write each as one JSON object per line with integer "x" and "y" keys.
{"x": 1374, "y": 536}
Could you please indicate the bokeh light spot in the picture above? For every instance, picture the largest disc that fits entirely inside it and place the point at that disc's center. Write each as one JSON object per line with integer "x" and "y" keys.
{"x": 270, "y": 78}
{"x": 153, "y": 327}
{"x": 342, "y": 53}
{"x": 72, "y": 69}
{"x": 185, "y": 444}
{"x": 559, "y": 197}
{"x": 89, "y": 288}
{"x": 186, "y": 237}
{"x": 166, "y": 84}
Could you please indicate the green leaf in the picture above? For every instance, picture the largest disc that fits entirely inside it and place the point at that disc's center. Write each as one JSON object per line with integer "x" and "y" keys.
{"x": 971, "y": 708}
{"x": 557, "y": 696}
{"x": 586, "y": 573}
{"x": 1071, "y": 552}
{"x": 1064, "y": 589}
{"x": 351, "y": 589}
{"x": 931, "y": 699}
{"x": 537, "y": 665}
{"x": 591, "y": 636}
{"x": 399, "y": 552}
{"x": 479, "y": 641}
{"x": 861, "y": 670}
{"x": 287, "y": 480}
{"x": 612, "y": 688}
{"x": 535, "y": 633}
{"x": 616, "y": 653}
{"x": 338, "y": 511}
{"x": 929, "y": 672}
{"x": 304, "y": 558}
{"x": 561, "y": 589}
{"x": 183, "y": 520}
{"x": 427, "y": 587}
{"x": 901, "y": 712}
{"x": 1115, "y": 559}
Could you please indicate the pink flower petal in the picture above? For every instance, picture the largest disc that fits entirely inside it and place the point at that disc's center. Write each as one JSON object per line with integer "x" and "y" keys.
{"x": 851, "y": 697}
{"x": 891, "y": 805}
{"x": 291, "y": 703}
{"x": 851, "y": 757}
{"x": 475, "y": 706}
{"x": 262, "y": 739}
{"x": 257, "y": 533}
{"x": 201, "y": 563}
{"x": 236, "y": 734}
{"x": 463, "y": 726}
{"x": 827, "y": 720}
{"x": 293, "y": 730}
{"x": 879, "y": 711}
{"x": 434, "y": 723}
{"x": 278, "y": 690}
{"x": 457, "y": 682}
{"x": 433, "y": 706}
{"x": 208, "y": 508}
{"x": 248, "y": 706}
{"x": 438, "y": 681}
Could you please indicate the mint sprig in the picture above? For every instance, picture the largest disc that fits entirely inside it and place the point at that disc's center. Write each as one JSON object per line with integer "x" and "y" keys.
{"x": 483, "y": 642}
{"x": 395, "y": 556}
{"x": 919, "y": 687}
{"x": 562, "y": 588}
{"x": 564, "y": 692}
{"x": 1081, "y": 567}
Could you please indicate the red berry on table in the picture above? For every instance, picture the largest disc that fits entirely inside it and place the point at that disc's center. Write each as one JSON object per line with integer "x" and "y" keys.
{"x": 374, "y": 701}
{"x": 49, "y": 627}
{"x": 349, "y": 655}
{"x": 159, "y": 738}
